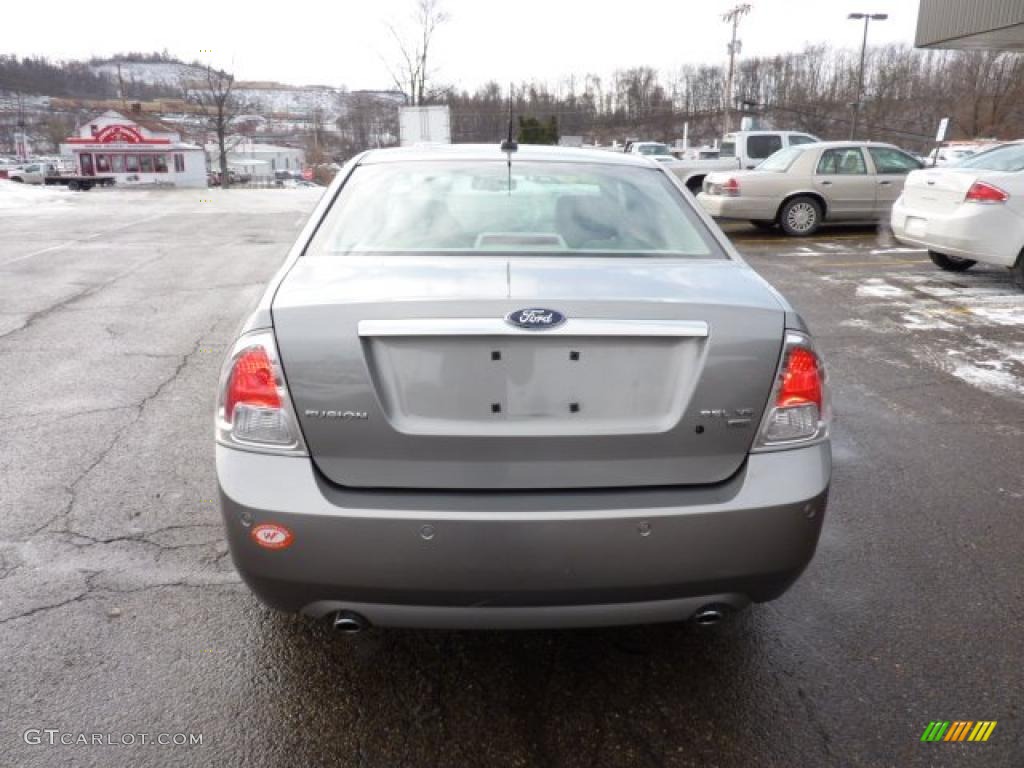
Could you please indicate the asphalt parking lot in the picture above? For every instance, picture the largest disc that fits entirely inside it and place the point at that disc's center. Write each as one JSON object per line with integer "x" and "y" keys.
{"x": 120, "y": 611}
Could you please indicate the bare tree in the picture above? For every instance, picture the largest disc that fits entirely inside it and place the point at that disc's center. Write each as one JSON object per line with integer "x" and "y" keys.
{"x": 212, "y": 92}
{"x": 412, "y": 73}
{"x": 56, "y": 128}
{"x": 369, "y": 121}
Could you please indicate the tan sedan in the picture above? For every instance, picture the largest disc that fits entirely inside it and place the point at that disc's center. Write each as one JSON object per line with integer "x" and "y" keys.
{"x": 801, "y": 187}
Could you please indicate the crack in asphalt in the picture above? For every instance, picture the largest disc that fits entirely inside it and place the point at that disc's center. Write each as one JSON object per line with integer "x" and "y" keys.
{"x": 7, "y": 568}
{"x": 91, "y": 592}
{"x": 43, "y": 608}
{"x": 91, "y": 290}
{"x": 143, "y": 537}
{"x": 140, "y": 408}
{"x": 148, "y": 538}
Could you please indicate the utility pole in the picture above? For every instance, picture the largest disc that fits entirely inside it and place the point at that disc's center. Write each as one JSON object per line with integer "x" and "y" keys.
{"x": 120, "y": 88}
{"x": 733, "y": 16}
{"x": 21, "y": 138}
{"x": 868, "y": 18}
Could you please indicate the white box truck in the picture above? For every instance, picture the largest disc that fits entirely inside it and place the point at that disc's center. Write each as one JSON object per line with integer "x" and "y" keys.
{"x": 424, "y": 125}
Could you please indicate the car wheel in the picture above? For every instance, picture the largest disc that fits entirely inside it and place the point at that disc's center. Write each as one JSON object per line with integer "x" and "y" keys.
{"x": 800, "y": 216}
{"x": 18, "y": 180}
{"x": 73, "y": 186}
{"x": 950, "y": 263}
{"x": 764, "y": 224}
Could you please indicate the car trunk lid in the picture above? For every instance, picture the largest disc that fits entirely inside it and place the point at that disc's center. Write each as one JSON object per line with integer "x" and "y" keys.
{"x": 405, "y": 372}
{"x": 938, "y": 190}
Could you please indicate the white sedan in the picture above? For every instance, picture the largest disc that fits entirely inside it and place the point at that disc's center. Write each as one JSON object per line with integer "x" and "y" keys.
{"x": 969, "y": 213}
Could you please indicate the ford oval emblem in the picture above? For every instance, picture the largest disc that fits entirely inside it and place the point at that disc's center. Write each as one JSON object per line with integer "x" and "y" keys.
{"x": 535, "y": 319}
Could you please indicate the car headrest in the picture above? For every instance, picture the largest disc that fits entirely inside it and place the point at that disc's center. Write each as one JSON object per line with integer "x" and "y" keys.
{"x": 583, "y": 219}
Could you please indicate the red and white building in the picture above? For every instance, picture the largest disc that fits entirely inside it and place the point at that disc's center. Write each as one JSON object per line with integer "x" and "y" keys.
{"x": 135, "y": 151}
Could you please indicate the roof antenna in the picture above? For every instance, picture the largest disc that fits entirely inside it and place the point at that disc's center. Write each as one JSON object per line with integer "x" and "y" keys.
{"x": 509, "y": 144}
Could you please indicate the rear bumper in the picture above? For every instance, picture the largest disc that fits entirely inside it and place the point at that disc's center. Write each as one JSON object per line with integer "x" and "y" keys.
{"x": 524, "y": 560}
{"x": 991, "y": 234}
{"x": 724, "y": 207}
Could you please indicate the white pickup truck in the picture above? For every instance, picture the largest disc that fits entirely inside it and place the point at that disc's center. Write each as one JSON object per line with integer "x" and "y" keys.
{"x": 655, "y": 150}
{"x": 740, "y": 150}
{"x": 50, "y": 175}
{"x": 32, "y": 173}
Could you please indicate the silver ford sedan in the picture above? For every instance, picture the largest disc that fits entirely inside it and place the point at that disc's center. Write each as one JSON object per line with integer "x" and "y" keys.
{"x": 519, "y": 389}
{"x": 801, "y": 187}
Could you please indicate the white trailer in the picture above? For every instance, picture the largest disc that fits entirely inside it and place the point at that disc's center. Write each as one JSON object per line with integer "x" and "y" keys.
{"x": 424, "y": 125}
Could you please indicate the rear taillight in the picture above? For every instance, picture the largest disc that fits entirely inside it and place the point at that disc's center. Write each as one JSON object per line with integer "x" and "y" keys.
{"x": 798, "y": 411}
{"x": 251, "y": 382}
{"x": 254, "y": 410}
{"x": 980, "y": 192}
{"x": 731, "y": 188}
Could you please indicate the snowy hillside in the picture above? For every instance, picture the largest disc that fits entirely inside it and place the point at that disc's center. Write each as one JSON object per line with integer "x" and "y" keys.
{"x": 263, "y": 97}
{"x": 167, "y": 73}
{"x": 277, "y": 99}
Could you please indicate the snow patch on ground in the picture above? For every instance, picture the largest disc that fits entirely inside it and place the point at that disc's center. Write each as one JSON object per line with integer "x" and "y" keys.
{"x": 938, "y": 291}
{"x": 15, "y": 195}
{"x": 989, "y": 375}
{"x": 878, "y": 288}
{"x": 858, "y": 323}
{"x": 925, "y": 321}
{"x": 1012, "y": 315}
{"x": 994, "y": 366}
{"x": 884, "y": 251}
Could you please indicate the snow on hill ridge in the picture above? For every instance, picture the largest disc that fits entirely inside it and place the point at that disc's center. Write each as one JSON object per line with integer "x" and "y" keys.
{"x": 259, "y": 96}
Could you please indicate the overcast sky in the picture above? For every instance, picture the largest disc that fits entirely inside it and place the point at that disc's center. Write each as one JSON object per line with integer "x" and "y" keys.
{"x": 335, "y": 42}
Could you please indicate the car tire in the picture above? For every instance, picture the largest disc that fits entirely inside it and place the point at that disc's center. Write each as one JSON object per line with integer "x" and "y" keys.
{"x": 950, "y": 263}
{"x": 1017, "y": 270}
{"x": 73, "y": 186}
{"x": 800, "y": 216}
{"x": 765, "y": 224}
{"x": 18, "y": 180}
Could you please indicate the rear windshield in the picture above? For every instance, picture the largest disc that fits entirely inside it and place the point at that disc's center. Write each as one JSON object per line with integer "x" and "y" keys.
{"x": 537, "y": 207}
{"x": 1009, "y": 157}
{"x": 781, "y": 160}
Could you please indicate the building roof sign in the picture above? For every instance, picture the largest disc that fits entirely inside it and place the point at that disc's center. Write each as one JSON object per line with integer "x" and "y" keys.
{"x": 117, "y": 134}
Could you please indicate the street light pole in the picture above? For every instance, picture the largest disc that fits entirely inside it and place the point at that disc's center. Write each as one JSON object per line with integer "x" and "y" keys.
{"x": 868, "y": 18}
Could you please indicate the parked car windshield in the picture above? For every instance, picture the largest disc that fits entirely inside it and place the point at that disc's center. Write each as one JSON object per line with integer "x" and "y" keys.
{"x": 534, "y": 207}
{"x": 781, "y": 160}
{"x": 1009, "y": 157}
{"x": 654, "y": 149}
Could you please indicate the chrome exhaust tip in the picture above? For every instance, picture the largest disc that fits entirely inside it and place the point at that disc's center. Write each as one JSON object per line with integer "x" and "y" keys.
{"x": 349, "y": 623}
{"x": 709, "y": 614}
